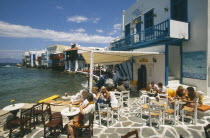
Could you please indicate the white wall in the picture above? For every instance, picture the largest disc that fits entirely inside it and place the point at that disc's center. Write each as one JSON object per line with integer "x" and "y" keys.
{"x": 146, "y": 5}
{"x": 208, "y": 50}
{"x": 155, "y": 71}
{"x": 197, "y": 16}
{"x": 174, "y": 61}
{"x": 158, "y": 48}
{"x": 179, "y": 30}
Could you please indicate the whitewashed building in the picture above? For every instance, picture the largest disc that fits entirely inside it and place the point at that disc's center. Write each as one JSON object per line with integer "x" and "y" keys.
{"x": 73, "y": 58}
{"x": 33, "y": 57}
{"x": 54, "y": 50}
{"x": 179, "y": 29}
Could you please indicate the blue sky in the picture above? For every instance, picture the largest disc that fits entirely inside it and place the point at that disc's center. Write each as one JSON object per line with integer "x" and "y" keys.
{"x": 36, "y": 24}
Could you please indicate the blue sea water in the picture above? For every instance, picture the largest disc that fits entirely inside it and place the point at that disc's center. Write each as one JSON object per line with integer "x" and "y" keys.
{"x": 29, "y": 85}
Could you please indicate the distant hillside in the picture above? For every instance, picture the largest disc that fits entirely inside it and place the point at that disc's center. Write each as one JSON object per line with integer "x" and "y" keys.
{"x": 9, "y": 60}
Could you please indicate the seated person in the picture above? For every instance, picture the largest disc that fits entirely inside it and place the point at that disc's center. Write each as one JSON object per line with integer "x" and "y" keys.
{"x": 180, "y": 93}
{"x": 161, "y": 89}
{"x": 103, "y": 96}
{"x": 193, "y": 96}
{"x": 95, "y": 92}
{"x": 153, "y": 86}
{"x": 83, "y": 100}
{"x": 120, "y": 87}
{"x": 83, "y": 119}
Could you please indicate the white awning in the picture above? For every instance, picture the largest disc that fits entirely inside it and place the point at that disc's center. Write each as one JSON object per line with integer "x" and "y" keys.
{"x": 110, "y": 57}
{"x": 113, "y": 57}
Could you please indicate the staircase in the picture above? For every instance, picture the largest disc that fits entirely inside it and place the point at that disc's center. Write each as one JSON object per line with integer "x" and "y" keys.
{"x": 174, "y": 84}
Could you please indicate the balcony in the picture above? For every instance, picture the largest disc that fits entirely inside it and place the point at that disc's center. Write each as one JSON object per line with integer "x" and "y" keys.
{"x": 169, "y": 31}
{"x": 56, "y": 56}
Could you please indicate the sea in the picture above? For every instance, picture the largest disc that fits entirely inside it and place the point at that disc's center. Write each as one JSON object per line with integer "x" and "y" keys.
{"x": 29, "y": 85}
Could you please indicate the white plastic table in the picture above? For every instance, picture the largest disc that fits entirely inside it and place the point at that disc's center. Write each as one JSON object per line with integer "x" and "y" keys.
{"x": 15, "y": 107}
{"x": 74, "y": 111}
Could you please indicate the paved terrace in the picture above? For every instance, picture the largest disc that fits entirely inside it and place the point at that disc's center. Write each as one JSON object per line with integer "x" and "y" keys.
{"x": 129, "y": 121}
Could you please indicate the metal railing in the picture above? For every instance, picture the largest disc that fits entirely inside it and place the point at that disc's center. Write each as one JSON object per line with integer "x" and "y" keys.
{"x": 155, "y": 32}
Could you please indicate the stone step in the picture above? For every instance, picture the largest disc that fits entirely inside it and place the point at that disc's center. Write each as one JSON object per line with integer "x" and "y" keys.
{"x": 171, "y": 77}
{"x": 206, "y": 99}
{"x": 174, "y": 84}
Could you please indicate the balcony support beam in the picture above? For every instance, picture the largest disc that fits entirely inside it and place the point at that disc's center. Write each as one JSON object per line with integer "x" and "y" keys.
{"x": 166, "y": 65}
{"x": 181, "y": 67}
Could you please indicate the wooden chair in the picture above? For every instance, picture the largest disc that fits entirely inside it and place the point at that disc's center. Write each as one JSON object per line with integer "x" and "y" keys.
{"x": 132, "y": 133}
{"x": 207, "y": 130}
{"x": 55, "y": 114}
{"x": 37, "y": 111}
{"x": 89, "y": 127}
{"x": 52, "y": 124}
{"x": 22, "y": 122}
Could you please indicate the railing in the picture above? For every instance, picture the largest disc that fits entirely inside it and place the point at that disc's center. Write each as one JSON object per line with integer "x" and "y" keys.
{"x": 56, "y": 56}
{"x": 155, "y": 32}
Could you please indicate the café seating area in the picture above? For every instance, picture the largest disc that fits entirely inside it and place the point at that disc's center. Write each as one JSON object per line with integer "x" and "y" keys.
{"x": 144, "y": 114}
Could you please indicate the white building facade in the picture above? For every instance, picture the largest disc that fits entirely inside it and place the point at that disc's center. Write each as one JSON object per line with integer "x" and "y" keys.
{"x": 177, "y": 28}
{"x": 55, "y": 49}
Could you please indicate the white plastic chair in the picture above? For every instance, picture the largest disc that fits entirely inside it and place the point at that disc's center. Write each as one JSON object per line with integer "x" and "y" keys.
{"x": 193, "y": 111}
{"x": 117, "y": 110}
{"x": 105, "y": 113}
{"x": 174, "y": 112}
{"x": 118, "y": 96}
{"x": 125, "y": 98}
{"x": 144, "y": 105}
{"x": 155, "y": 111}
{"x": 165, "y": 98}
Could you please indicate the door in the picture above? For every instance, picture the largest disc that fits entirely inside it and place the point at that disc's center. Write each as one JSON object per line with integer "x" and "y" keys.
{"x": 142, "y": 77}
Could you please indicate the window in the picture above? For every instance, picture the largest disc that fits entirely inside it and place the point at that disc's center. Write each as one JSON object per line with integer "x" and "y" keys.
{"x": 149, "y": 22}
{"x": 127, "y": 30}
{"x": 179, "y": 10}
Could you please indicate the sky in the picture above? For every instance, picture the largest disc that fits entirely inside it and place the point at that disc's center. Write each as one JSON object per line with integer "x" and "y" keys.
{"x": 36, "y": 24}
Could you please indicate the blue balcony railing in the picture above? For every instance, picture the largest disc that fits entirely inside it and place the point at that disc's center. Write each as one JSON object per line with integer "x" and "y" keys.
{"x": 149, "y": 35}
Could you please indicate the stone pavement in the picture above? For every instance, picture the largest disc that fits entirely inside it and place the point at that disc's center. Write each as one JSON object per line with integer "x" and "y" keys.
{"x": 129, "y": 121}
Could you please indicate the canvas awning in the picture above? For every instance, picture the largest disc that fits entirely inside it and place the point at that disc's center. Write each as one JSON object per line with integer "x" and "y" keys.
{"x": 113, "y": 57}
{"x": 109, "y": 57}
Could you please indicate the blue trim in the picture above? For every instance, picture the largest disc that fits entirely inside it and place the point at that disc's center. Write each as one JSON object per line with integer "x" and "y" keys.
{"x": 158, "y": 34}
{"x": 132, "y": 68}
{"x": 181, "y": 67}
{"x": 166, "y": 65}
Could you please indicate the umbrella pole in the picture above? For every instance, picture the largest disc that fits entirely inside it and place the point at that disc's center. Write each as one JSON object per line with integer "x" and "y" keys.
{"x": 88, "y": 75}
{"x": 91, "y": 71}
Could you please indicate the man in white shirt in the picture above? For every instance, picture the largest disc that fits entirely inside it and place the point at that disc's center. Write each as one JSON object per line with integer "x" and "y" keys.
{"x": 153, "y": 86}
{"x": 162, "y": 89}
